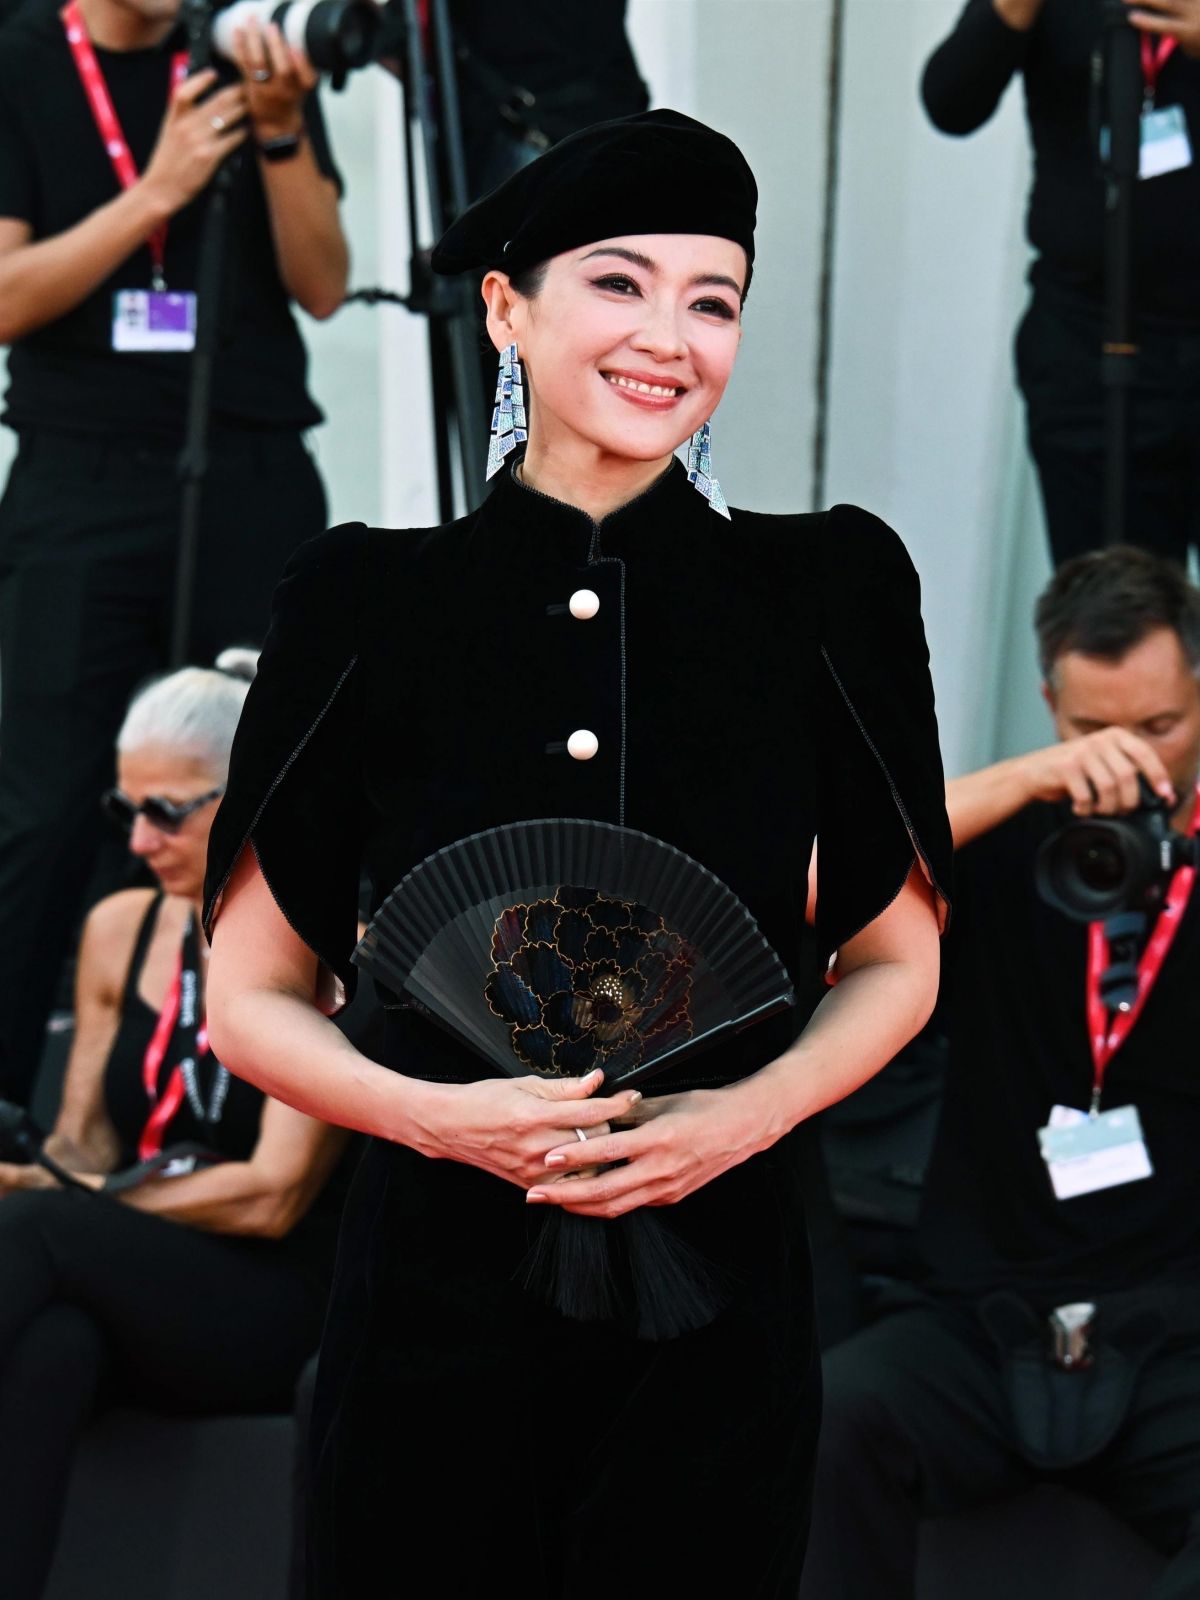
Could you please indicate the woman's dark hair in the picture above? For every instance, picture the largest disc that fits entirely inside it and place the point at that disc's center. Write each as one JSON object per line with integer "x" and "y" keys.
{"x": 528, "y": 282}
{"x": 1104, "y": 603}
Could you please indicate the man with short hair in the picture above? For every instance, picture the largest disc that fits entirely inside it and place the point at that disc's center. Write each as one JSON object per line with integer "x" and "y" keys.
{"x": 1056, "y": 1326}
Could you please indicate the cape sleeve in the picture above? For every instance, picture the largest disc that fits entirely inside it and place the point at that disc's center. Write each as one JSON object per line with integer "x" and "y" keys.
{"x": 294, "y": 793}
{"x": 881, "y": 791}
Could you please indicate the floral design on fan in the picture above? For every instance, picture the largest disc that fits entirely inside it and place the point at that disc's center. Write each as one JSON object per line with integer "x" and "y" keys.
{"x": 584, "y": 981}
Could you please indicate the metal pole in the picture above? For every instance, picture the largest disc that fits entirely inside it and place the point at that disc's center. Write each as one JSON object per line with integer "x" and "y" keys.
{"x": 1122, "y": 102}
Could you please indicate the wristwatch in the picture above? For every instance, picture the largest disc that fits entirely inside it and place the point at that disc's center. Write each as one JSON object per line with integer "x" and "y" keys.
{"x": 282, "y": 148}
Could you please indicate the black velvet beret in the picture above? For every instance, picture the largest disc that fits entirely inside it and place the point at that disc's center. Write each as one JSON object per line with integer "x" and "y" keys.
{"x": 656, "y": 172}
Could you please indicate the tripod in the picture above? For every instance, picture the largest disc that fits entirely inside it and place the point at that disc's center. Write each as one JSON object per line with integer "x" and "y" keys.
{"x": 193, "y": 462}
{"x": 432, "y": 127}
{"x": 1119, "y": 79}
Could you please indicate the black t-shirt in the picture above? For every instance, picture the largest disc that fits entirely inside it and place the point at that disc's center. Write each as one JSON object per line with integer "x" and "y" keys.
{"x": 963, "y": 84}
{"x": 1016, "y": 1009}
{"x": 54, "y": 172}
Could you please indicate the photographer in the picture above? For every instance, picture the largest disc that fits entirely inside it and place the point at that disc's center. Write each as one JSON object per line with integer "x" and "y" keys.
{"x": 106, "y": 151}
{"x": 1058, "y": 350}
{"x": 964, "y": 1392}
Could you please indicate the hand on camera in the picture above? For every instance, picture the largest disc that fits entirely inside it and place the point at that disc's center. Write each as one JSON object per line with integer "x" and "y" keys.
{"x": 1098, "y": 772}
{"x": 196, "y": 136}
{"x": 276, "y": 79}
{"x": 1178, "y": 18}
{"x": 506, "y": 1125}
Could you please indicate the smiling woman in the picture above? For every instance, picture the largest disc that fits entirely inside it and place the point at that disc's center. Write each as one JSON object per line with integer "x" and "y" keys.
{"x": 625, "y": 350}
{"x": 592, "y": 643}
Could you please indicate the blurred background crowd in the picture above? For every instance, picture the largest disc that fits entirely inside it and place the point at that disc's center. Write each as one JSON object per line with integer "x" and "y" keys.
{"x": 933, "y": 333}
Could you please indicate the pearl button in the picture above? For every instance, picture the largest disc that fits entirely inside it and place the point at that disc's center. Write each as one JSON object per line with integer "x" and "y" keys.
{"x": 583, "y": 744}
{"x": 584, "y": 604}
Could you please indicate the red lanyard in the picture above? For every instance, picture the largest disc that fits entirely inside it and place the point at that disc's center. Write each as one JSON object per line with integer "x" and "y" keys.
{"x": 1155, "y": 55}
{"x": 164, "y": 1106}
{"x": 108, "y": 124}
{"x": 1107, "y": 1034}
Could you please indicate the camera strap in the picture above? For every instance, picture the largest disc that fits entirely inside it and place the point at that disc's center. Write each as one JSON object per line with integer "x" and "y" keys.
{"x": 179, "y": 1019}
{"x": 1107, "y": 1030}
{"x": 1155, "y": 55}
{"x": 108, "y": 124}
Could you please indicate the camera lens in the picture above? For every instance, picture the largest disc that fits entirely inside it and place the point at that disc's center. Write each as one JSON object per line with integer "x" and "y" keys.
{"x": 1101, "y": 866}
{"x": 1096, "y": 867}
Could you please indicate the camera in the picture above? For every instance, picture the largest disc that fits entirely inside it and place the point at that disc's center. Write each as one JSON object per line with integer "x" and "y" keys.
{"x": 334, "y": 36}
{"x": 1097, "y": 867}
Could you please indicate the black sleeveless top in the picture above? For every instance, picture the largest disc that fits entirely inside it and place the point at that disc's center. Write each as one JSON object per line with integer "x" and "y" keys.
{"x": 233, "y": 1136}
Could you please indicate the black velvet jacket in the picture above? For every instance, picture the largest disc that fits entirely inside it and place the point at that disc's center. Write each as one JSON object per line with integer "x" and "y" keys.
{"x": 751, "y": 684}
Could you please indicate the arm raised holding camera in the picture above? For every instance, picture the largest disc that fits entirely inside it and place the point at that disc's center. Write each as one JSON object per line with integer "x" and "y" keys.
{"x": 1098, "y": 772}
{"x": 302, "y": 203}
{"x": 966, "y": 76}
{"x": 41, "y": 280}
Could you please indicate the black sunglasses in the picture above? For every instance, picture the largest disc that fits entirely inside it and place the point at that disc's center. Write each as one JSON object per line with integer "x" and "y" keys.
{"x": 167, "y": 815}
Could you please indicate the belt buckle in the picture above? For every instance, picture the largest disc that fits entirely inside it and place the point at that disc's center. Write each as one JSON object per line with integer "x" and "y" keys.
{"x": 1071, "y": 1328}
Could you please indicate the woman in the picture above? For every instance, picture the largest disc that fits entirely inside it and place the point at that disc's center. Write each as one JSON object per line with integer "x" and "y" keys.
{"x": 202, "y": 1286}
{"x": 593, "y": 642}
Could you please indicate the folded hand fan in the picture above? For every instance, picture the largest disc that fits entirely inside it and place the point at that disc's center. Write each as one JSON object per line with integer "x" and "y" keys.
{"x": 559, "y": 945}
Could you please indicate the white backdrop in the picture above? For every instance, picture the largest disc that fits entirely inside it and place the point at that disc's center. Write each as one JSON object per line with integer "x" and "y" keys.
{"x": 923, "y": 424}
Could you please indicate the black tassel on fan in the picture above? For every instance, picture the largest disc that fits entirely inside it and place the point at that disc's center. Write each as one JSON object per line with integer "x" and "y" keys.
{"x": 635, "y": 1270}
{"x": 557, "y": 946}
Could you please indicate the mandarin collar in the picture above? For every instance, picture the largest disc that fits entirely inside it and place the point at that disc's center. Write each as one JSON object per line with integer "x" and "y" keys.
{"x": 539, "y": 520}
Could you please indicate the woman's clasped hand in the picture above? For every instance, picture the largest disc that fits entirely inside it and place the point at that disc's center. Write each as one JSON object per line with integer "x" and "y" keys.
{"x": 506, "y": 1125}
{"x": 636, "y": 1152}
{"x": 677, "y": 1144}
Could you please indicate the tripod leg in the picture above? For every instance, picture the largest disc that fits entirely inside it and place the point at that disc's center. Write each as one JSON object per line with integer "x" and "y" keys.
{"x": 441, "y": 392}
{"x": 1116, "y": 446}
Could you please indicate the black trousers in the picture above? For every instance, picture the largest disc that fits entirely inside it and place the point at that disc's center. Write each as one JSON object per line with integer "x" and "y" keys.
{"x": 88, "y": 534}
{"x": 916, "y": 1423}
{"x": 96, "y": 1297}
{"x": 1058, "y": 368}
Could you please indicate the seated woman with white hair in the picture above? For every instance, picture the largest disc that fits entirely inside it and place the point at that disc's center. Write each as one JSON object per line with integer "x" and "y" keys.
{"x": 195, "y": 1277}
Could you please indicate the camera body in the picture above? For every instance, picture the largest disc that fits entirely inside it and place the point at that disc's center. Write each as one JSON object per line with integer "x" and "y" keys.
{"x": 334, "y": 36}
{"x": 1097, "y": 867}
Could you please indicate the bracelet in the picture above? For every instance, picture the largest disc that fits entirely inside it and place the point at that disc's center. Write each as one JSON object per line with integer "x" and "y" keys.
{"x": 282, "y": 148}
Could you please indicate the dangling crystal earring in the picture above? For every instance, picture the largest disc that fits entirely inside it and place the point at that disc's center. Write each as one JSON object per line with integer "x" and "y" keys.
{"x": 508, "y": 417}
{"x": 700, "y": 472}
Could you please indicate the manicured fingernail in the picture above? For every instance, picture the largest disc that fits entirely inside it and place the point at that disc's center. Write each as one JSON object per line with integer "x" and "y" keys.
{"x": 634, "y": 1096}
{"x": 556, "y": 1161}
{"x": 533, "y": 1196}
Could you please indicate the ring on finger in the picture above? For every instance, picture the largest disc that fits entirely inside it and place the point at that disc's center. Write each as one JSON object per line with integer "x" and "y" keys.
{"x": 217, "y": 124}
{"x": 579, "y": 1134}
{"x": 262, "y": 74}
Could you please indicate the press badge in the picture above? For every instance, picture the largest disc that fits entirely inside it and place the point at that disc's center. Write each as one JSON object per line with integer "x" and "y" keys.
{"x": 1085, "y": 1153}
{"x": 153, "y": 319}
{"x": 1165, "y": 144}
